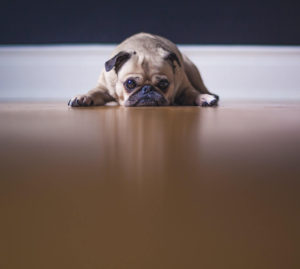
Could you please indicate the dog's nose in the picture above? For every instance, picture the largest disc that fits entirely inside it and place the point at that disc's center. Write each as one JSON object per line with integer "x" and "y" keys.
{"x": 147, "y": 88}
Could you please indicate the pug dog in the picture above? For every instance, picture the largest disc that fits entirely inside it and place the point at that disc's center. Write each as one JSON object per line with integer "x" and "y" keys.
{"x": 148, "y": 70}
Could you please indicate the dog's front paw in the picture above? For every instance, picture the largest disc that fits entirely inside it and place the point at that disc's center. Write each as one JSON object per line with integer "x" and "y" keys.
{"x": 81, "y": 100}
{"x": 206, "y": 100}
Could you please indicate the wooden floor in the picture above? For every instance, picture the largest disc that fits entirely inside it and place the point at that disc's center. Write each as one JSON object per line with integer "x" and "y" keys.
{"x": 172, "y": 187}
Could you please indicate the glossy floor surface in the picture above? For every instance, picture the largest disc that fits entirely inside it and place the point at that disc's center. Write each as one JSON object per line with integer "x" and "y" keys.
{"x": 172, "y": 187}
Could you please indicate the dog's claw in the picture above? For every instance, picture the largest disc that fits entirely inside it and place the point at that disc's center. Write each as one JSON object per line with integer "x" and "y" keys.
{"x": 214, "y": 102}
{"x": 80, "y": 101}
{"x": 73, "y": 102}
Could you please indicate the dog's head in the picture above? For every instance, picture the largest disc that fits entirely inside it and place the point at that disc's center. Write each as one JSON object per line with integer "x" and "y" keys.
{"x": 144, "y": 79}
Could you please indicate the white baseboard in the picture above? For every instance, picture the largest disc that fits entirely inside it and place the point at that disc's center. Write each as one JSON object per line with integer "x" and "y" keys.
{"x": 233, "y": 72}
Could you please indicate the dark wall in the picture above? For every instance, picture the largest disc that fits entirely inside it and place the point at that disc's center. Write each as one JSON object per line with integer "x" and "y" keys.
{"x": 185, "y": 21}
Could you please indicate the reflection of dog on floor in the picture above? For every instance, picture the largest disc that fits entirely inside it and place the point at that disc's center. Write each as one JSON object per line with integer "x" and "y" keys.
{"x": 148, "y": 70}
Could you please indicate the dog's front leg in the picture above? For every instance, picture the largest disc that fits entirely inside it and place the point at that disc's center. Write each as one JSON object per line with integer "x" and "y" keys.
{"x": 98, "y": 96}
{"x": 189, "y": 97}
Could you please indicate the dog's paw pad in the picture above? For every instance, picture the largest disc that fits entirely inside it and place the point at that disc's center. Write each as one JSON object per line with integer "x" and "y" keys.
{"x": 80, "y": 100}
{"x": 206, "y": 100}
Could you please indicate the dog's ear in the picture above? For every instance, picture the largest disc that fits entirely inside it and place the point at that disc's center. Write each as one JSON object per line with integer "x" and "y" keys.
{"x": 172, "y": 57}
{"x": 117, "y": 61}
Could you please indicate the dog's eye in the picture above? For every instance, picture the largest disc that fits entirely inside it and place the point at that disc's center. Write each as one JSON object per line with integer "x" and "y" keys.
{"x": 130, "y": 84}
{"x": 163, "y": 84}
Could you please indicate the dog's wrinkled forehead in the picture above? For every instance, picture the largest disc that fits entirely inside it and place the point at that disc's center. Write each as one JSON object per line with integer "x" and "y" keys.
{"x": 143, "y": 65}
{"x": 143, "y": 61}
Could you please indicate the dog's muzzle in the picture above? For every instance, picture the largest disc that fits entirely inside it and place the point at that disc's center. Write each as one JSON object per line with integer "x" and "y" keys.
{"x": 146, "y": 96}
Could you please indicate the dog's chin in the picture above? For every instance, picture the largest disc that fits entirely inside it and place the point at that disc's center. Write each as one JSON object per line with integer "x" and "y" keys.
{"x": 147, "y": 102}
{"x": 153, "y": 99}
